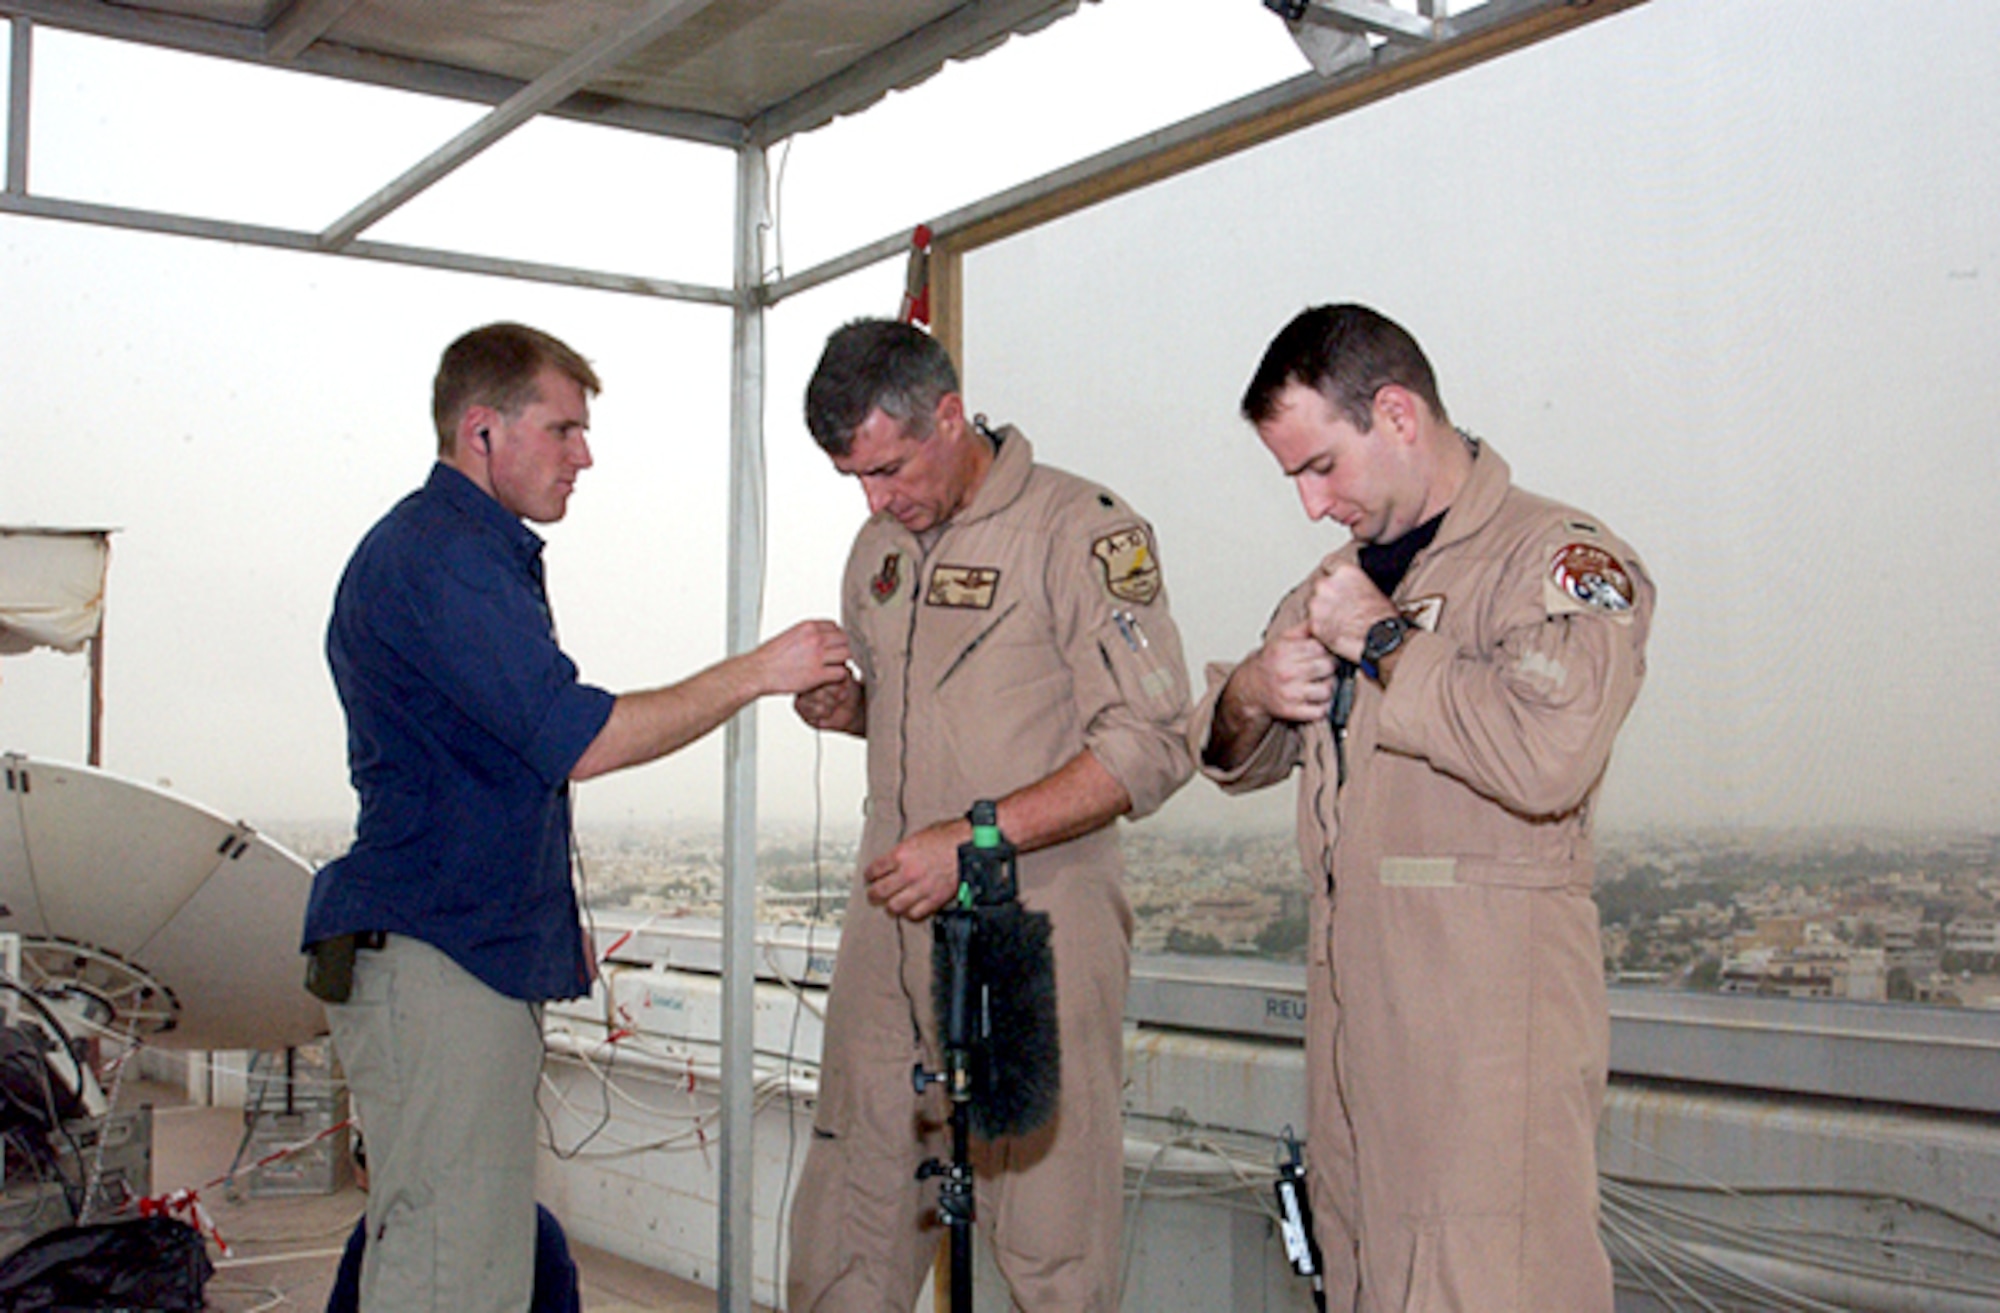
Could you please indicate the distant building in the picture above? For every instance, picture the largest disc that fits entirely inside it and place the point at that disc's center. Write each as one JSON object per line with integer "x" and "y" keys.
{"x": 1772, "y": 934}
{"x": 1899, "y": 931}
{"x": 1973, "y": 934}
{"x": 1777, "y": 972}
{"x": 1866, "y": 978}
{"x": 1825, "y": 970}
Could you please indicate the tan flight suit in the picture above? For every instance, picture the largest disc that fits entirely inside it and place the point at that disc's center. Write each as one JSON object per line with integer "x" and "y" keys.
{"x": 1034, "y": 627}
{"x": 1457, "y": 1036}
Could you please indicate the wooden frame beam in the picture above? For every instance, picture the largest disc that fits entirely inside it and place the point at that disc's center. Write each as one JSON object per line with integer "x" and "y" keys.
{"x": 1497, "y": 28}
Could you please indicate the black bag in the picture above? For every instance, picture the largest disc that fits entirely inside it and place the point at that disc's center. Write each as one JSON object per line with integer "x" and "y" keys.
{"x": 151, "y": 1263}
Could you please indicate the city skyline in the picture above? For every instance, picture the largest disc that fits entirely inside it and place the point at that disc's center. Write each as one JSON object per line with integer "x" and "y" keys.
{"x": 1858, "y": 914}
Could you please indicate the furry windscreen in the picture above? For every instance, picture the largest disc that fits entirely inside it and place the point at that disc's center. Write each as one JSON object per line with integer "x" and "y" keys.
{"x": 1016, "y": 1050}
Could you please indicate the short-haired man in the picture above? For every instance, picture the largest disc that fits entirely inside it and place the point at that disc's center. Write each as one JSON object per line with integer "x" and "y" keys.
{"x": 1449, "y": 683}
{"x": 1012, "y": 633}
{"x": 453, "y": 917}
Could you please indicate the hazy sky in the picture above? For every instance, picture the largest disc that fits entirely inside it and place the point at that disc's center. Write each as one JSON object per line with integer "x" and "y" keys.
{"x": 1723, "y": 275}
{"x": 1726, "y": 276}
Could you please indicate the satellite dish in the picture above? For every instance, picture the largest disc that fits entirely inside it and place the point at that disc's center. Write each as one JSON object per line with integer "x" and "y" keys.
{"x": 176, "y": 926}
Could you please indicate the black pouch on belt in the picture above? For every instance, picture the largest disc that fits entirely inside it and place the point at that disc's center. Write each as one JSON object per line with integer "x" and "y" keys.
{"x": 330, "y": 968}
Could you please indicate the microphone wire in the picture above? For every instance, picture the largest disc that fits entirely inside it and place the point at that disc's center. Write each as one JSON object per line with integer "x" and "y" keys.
{"x": 799, "y": 1007}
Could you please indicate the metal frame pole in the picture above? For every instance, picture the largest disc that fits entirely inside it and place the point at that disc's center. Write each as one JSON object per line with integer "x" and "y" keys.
{"x": 736, "y": 1274}
{"x": 21, "y": 59}
{"x": 95, "y": 756}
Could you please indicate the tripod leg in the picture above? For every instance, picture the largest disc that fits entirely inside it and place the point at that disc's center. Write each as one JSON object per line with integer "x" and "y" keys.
{"x": 960, "y": 1182}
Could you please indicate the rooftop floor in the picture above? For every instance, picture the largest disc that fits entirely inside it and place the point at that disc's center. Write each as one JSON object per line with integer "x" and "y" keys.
{"x": 285, "y": 1250}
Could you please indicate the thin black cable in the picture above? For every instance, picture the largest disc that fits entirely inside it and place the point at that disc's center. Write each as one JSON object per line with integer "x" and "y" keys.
{"x": 588, "y": 912}
{"x": 72, "y": 1192}
{"x": 774, "y": 215}
{"x": 589, "y": 916}
{"x": 799, "y": 1004}
{"x": 47, "y": 1163}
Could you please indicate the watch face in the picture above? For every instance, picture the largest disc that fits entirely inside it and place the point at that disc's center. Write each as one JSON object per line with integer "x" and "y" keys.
{"x": 1384, "y": 637}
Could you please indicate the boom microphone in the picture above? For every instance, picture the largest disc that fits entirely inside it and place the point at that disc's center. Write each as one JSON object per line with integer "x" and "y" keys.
{"x": 994, "y": 988}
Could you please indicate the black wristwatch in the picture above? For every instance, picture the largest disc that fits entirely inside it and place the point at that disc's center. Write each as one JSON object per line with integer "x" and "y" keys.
{"x": 1384, "y": 637}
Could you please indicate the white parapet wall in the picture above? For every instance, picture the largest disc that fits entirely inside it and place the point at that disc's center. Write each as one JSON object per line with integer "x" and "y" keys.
{"x": 631, "y": 1098}
{"x": 1734, "y": 1190}
{"x": 633, "y": 1161}
{"x": 1754, "y": 1153}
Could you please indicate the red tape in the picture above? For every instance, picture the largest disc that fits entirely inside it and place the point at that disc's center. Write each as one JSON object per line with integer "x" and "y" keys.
{"x": 186, "y": 1203}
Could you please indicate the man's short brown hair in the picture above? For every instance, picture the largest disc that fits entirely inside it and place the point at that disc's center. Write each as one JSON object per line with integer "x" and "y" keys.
{"x": 1347, "y": 353}
{"x": 497, "y": 366}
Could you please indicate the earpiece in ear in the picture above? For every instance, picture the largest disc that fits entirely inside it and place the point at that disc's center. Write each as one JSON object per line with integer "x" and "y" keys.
{"x": 486, "y": 441}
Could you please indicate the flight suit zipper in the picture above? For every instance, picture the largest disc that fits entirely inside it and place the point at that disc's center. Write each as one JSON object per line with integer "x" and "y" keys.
{"x": 921, "y": 559}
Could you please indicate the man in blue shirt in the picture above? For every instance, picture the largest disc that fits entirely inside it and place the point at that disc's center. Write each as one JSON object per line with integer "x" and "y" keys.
{"x": 452, "y": 918}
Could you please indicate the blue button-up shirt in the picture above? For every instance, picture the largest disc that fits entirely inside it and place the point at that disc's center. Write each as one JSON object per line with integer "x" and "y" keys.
{"x": 464, "y": 720}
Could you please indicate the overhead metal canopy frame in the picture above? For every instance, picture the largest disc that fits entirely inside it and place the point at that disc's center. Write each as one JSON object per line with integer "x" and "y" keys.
{"x": 736, "y": 74}
{"x": 740, "y": 75}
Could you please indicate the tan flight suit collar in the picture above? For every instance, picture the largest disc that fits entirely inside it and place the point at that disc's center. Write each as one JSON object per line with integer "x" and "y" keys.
{"x": 1005, "y": 478}
{"x": 1479, "y": 500}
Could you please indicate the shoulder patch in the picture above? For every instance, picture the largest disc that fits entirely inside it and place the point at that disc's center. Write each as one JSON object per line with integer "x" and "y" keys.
{"x": 970, "y": 587}
{"x": 1583, "y": 576}
{"x": 888, "y": 579}
{"x": 1131, "y": 570}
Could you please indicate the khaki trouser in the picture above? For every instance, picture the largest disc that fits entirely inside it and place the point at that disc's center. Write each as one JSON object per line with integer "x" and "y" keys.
{"x": 1456, "y": 1045}
{"x": 443, "y": 1071}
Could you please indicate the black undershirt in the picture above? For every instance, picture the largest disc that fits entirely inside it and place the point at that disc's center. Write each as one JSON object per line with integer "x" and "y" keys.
{"x": 1387, "y": 563}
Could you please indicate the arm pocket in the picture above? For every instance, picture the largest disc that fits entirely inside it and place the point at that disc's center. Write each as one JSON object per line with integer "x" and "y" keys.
{"x": 1148, "y": 683}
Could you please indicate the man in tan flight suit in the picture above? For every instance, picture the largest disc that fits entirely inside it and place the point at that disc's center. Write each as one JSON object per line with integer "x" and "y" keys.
{"x": 1465, "y": 663}
{"x": 1012, "y": 634}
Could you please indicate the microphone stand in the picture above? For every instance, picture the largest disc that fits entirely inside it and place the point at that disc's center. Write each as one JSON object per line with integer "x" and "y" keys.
{"x": 955, "y": 1191}
{"x": 985, "y": 876}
